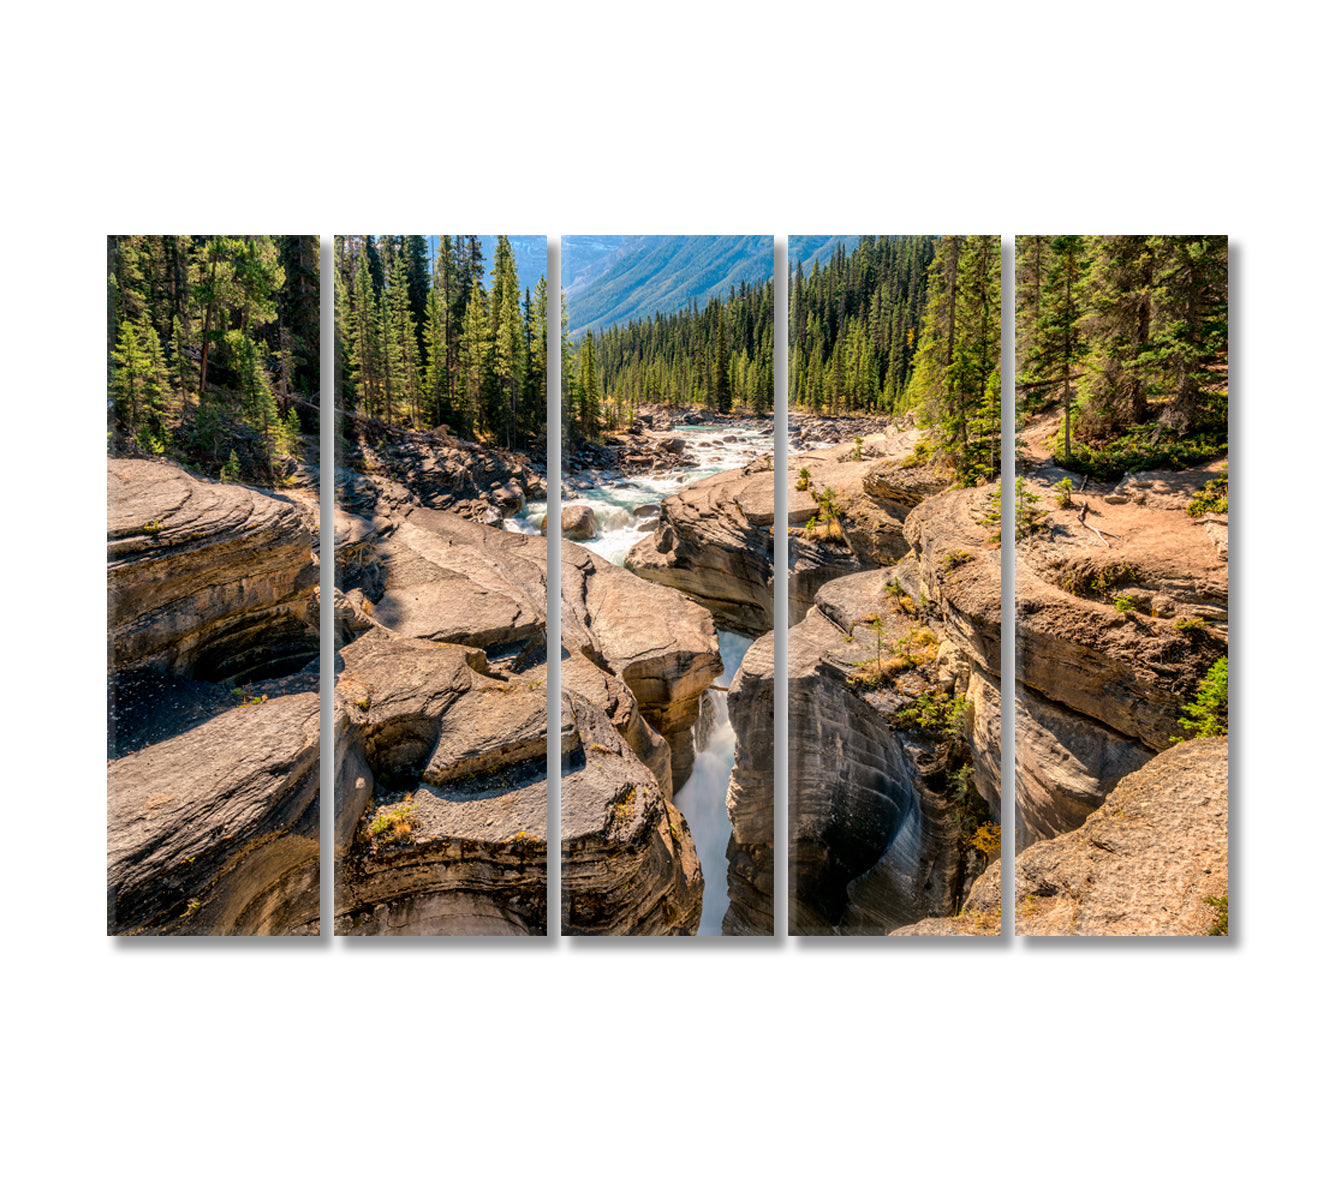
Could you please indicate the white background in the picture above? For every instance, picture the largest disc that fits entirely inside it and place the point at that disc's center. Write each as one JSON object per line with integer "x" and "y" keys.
{"x": 191, "y": 1069}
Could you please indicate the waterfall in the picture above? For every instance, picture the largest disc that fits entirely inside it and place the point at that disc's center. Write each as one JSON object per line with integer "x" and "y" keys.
{"x": 703, "y": 799}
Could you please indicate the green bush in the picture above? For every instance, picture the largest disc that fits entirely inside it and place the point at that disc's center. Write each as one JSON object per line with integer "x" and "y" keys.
{"x": 1210, "y": 498}
{"x": 1206, "y": 714}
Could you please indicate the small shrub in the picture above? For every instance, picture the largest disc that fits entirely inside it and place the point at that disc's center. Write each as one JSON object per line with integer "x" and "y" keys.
{"x": 937, "y": 713}
{"x": 1063, "y": 493}
{"x": 1206, "y": 713}
{"x": 804, "y": 480}
{"x": 1099, "y": 581}
{"x": 231, "y": 469}
{"x": 857, "y": 449}
{"x": 1190, "y": 625}
{"x": 1210, "y": 498}
{"x": 955, "y": 558}
{"x": 1028, "y": 517}
{"x": 391, "y": 825}
{"x": 1126, "y": 604}
{"x": 623, "y": 811}
{"x": 1219, "y": 905}
{"x": 153, "y": 528}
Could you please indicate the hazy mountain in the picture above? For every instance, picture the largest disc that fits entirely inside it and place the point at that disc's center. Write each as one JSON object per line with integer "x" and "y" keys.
{"x": 806, "y": 248}
{"x": 619, "y": 278}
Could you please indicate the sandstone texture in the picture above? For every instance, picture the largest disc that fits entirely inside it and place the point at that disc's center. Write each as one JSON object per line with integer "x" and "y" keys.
{"x": 750, "y": 795}
{"x": 876, "y": 836}
{"x": 433, "y": 730}
{"x": 216, "y": 831}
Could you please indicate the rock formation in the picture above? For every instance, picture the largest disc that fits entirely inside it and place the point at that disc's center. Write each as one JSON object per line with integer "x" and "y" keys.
{"x": 578, "y": 522}
{"x": 877, "y": 836}
{"x": 447, "y": 473}
{"x": 750, "y": 795}
{"x": 444, "y": 692}
{"x": 714, "y": 541}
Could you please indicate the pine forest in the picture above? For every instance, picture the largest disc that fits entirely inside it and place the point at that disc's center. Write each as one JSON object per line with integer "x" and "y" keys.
{"x": 424, "y": 343}
{"x": 1129, "y": 335}
{"x": 213, "y": 349}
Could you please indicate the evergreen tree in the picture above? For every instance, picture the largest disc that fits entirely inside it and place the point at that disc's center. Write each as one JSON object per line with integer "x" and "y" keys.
{"x": 1190, "y": 328}
{"x": 1118, "y": 306}
{"x": 1058, "y": 342}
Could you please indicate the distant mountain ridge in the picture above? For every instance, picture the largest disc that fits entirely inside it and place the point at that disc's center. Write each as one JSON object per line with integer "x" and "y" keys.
{"x": 619, "y": 278}
{"x": 805, "y": 248}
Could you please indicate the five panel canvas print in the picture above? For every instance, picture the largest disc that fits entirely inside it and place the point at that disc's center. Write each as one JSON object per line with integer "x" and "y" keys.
{"x": 898, "y": 528}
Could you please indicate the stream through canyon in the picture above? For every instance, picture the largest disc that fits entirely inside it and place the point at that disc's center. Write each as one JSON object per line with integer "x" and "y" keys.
{"x": 626, "y": 508}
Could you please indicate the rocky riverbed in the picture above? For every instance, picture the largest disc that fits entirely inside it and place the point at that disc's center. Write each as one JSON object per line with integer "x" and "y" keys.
{"x": 440, "y": 726}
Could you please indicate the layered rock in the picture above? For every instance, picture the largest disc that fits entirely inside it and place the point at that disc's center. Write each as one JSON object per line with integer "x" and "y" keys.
{"x": 1143, "y": 864}
{"x": 429, "y": 726}
{"x": 660, "y": 643}
{"x": 875, "y": 489}
{"x": 212, "y": 813}
{"x": 206, "y": 580}
{"x": 216, "y": 830}
{"x": 628, "y": 863}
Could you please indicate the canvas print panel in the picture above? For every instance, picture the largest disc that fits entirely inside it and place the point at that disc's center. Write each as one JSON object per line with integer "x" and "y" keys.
{"x": 667, "y": 586}
{"x": 440, "y": 607}
{"x": 213, "y": 739}
{"x": 1121, "y": 585}
{"x": 895, "y": 450}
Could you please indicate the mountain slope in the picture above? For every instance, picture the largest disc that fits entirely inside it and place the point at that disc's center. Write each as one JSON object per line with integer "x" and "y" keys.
{"x": 622, "y": 278}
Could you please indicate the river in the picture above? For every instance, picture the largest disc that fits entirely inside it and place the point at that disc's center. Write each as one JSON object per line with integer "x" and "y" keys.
{"x": 613, "y": 499}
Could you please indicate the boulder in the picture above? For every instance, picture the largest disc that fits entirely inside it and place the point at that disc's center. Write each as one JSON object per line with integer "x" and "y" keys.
{"x": 578, "y": 522}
